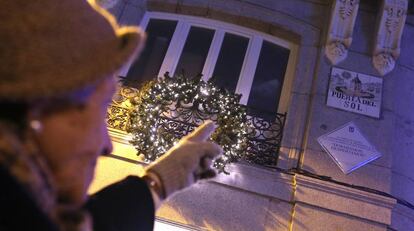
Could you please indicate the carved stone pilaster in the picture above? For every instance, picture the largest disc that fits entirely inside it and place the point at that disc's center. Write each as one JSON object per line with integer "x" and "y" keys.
{"x": 341, "y": 26}
{"x": 388, "y": 37}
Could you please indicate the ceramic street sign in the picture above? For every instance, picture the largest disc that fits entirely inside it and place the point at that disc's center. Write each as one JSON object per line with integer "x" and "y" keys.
{"x": 355, "y": 92}
{"x": 348, "y": 147}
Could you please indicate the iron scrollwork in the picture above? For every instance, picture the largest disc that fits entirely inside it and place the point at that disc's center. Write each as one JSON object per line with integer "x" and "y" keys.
{"x": 264, "y": 135}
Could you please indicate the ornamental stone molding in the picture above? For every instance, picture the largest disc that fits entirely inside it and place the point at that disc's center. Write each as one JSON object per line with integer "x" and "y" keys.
{"x": 340, "y": 31}
{"x": 340, "y": 198}
{"x": 391, "y": 23}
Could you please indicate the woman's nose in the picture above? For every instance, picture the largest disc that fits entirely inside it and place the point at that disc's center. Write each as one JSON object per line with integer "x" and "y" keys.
{"x": 108, "y": 147}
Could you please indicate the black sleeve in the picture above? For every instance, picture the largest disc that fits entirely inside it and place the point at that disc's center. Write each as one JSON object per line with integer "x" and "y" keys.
{"x": 123, "y": 206}
{"x": 18, "y": 211}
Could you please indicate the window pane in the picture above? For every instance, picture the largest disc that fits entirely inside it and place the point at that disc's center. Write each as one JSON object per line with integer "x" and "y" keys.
{"x": 195, "y": 52}
{"x": 230, "y": 61}
{"x": 268, "y": 80}
{"x": 159, "y": 34}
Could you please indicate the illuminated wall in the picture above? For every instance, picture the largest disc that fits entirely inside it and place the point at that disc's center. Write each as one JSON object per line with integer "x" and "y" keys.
{"x": 255, "y": 198}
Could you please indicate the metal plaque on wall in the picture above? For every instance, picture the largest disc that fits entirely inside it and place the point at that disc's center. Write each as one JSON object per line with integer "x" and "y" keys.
{"x": 355, "y": 92}
{"x": 348, "y": 147}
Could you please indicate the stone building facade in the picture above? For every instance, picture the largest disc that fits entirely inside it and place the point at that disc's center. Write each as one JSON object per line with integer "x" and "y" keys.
{"x": 258, "y": 198}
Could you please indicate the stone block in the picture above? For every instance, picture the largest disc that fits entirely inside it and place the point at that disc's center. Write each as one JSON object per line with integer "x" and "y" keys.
{"x": 231, "y": 6}
{"x": 313, "y": 13}
{"x": 364, "y": 32}
{"x": 324, "y": 2}
{"x": 403, "y": 187}
{"x": 116, "y": 11}
{"x": 227, "y": 11}
{"x": 282, "y": 25}
{"x": 162, "y": 5}
{"x": 388, "y": 92}
{"x": 288, "y": 28}
{"x": 288, "y": 157}
{"x": 193, "y": 7}
{"x": 223, "y": 16}
{"x": 305, "y": 69}
{"x": 410, "y": 19}
{"x": 288, "y": 34}
{"x": 370, "y": 175}
{"x": 217, "y": 207}
{"x": 254, "y": 24}
{"x": 403, "y": 147}
{"x": 407, "y": 46}
{"x": 402, "y": 93}
{"x": 343, "y": 199}
{"x": 131, "y": 15}
{"x": 294, "y": 130}
{"x": 278, "y": 216}
{"x": 370, "y": 5}
{"x": 402, "y": 218}
{"x": 323, "y": 73}
{"x": 258, "y": 180}
{"x": 138, "y": 3}
{"x": 309, "y": 218}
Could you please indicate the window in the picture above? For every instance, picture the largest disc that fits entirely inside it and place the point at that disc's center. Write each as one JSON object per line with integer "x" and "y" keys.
{"x": 159, "y": 33}
{"x": 248, "y": 62}
{"x": 268, "y": 79}
{"x": 195, "y": 51}
{"x": 230, "y": 61}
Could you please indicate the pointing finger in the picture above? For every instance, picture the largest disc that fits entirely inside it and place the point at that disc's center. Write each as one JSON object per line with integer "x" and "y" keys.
{"x": 206, "y": 162}
{"x": 209, "y": 150}
{"x": 209, "y": 173}
{"x": 203, "y": 132}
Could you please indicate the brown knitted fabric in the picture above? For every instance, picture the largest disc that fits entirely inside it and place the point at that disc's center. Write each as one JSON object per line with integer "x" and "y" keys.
{"x": 173, "y": 176}
{"x": 48, "y": 47}
{"x": 23, "y": 161}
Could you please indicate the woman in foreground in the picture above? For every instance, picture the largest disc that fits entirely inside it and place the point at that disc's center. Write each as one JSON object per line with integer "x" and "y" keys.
{"x": 58, "y": 62}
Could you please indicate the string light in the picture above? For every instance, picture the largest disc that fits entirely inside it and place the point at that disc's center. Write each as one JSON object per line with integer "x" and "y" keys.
{"x": 156, "y": 98}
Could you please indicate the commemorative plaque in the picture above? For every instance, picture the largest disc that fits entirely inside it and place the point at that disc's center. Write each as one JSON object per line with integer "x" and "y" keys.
{"x": 348, "y": 148}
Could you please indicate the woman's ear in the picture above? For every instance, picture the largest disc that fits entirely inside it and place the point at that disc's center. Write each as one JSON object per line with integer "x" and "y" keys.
{"x": 34, "y": 115}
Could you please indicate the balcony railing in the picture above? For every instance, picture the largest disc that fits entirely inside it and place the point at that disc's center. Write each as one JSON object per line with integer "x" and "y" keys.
{"x": 264, "y": 136}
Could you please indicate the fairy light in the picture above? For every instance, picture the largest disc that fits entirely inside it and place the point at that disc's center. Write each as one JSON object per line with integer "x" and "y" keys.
{"x": 155, "y": 97}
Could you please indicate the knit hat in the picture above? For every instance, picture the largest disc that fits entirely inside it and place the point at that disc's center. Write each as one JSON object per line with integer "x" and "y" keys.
{"x": 48, "y": 47}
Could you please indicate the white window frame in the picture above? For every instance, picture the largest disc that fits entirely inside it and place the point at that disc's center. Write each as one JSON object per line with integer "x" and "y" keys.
{"x": 246, "y": 77}
{"x": 161, "y": 224}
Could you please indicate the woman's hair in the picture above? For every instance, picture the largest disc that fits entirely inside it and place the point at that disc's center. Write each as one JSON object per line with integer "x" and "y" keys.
{"x": 14, "y": 113}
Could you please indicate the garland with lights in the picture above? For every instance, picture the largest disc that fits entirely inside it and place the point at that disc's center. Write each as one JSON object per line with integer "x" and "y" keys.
{"x": 205, "y": 101}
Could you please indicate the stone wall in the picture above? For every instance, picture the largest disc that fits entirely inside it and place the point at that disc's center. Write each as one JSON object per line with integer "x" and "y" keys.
{"x": 402, "y": 183}
{"x": 253, "y": 198}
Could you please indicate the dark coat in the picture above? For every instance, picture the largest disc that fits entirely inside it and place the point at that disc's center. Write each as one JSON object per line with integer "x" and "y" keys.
{"x": 123, "y": 206}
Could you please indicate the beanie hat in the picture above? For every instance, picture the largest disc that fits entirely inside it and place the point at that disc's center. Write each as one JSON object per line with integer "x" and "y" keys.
{"x": 48, "y": 47}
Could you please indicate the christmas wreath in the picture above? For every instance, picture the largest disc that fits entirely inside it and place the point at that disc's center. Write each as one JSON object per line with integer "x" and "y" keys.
{"x": 166, "y": 109}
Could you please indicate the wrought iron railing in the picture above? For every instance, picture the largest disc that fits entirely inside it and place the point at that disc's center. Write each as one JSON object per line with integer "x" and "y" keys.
{"x": 264, "y": 136}
{"x": 118, "y": 117}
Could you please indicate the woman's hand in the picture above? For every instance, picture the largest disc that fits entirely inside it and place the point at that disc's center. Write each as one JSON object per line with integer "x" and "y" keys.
{"x": 185, "y": 163}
